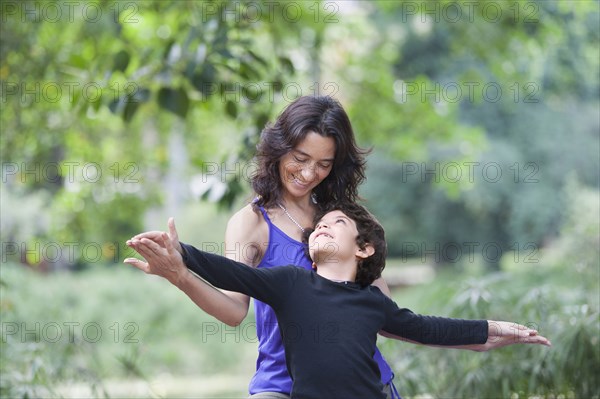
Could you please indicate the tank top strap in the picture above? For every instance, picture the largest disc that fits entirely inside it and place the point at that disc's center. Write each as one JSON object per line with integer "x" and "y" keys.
{"x": 263, "y": 211}
{"x": 266, "y": 216}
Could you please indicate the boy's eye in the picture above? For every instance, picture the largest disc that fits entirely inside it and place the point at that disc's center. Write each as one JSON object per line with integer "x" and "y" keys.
{"x": 341, "y": 221}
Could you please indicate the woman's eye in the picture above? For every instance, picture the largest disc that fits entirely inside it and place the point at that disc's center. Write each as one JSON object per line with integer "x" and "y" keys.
{"x": 325, "y": 165}
{"x": 299, "y": 160}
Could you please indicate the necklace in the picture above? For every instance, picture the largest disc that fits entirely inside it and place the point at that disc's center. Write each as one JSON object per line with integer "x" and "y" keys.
{"x": 291, "y": 218}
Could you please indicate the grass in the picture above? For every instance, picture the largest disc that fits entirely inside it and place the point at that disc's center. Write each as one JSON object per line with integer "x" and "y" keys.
{"x": 558, "y": 298}
{"x": 111, "y": 323}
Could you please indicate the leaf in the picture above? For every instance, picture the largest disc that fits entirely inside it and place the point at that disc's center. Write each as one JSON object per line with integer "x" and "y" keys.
{"x": 231, "y": 109}
{"x": 252, "y": 92}
{"x": 261, "y": 120}
{"x": 174, "y": 100}
{"x": 277, "y": 85}
{"x": 133, "y": 102}
{"x": 204, "y": 81}
{"x": 247, "y": 72}
{"x": 199, "y": 57}
{"x": 225, "y": 53}
{"x": 116, "y": 105}
{"x": 121, "y": 61}
{"x": 287, "y": 64}
{"x": 140, "y": 96}
{"x": 127, "y": 105}
{"x": 167, "y": 49}
{"x": 233, "y": 191}
{"x": 129, "y": 111}
{"x": 257, "y": 57}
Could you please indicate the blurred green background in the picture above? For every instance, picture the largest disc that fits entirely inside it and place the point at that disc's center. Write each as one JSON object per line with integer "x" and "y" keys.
{"x": 485, "y": 127}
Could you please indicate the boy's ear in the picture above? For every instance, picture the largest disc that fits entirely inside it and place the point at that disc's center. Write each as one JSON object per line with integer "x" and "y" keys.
{"x": 365, "y": 252}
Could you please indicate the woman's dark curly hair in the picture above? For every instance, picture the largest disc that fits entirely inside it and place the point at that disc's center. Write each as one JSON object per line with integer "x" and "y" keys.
{"x": 370, "y": 231}
{"x": 322, "y": 115}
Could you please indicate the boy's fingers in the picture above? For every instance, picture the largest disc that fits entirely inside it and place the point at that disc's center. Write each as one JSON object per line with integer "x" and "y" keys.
{"x": 525, "y": 328}
{"x": 535, "y": 339}
{"x": 519, "y": 326}
{"x": 148, "y": 234}
{"x": 172, "y": 229}
{"x": 151, "y": 245}
{"x": 145, "y": 251}
{"x": 135, "y": 245}
{"x": 538, "y": 339}
{"x": 168, "y": 244}
{"x": 143, "y": 266}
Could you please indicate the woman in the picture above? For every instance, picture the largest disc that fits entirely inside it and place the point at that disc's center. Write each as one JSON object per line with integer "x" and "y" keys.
{"x": 307, "y": 159}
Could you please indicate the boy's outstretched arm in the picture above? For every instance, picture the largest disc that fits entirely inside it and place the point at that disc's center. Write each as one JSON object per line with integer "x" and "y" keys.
{"x": 500, "y": 334}
{"x": 267, "y": 285}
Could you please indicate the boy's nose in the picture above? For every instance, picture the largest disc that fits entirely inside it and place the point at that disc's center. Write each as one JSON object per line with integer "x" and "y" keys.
{"x": 322, "y": 225}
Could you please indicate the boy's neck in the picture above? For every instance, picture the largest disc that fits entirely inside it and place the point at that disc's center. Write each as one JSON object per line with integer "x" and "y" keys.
{"x": 337, "y": 271}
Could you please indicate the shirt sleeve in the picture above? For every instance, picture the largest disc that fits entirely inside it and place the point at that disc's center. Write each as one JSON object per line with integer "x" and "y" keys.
{"x": 432, "y": 330}
{"x": 267, "y": 285}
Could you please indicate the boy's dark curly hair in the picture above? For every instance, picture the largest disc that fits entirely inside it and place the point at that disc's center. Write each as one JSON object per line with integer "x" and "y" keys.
{"x": 370, "y": 231}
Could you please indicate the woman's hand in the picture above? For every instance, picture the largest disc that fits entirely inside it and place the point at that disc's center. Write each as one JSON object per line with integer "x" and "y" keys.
{"x": 161, "y": 257}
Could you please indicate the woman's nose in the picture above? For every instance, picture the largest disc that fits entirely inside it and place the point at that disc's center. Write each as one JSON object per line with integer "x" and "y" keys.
{"x": 308, "y": 173}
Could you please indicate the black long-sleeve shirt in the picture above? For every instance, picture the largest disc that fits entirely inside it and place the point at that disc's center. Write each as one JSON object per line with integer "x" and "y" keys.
{"x": 329, "y": 329}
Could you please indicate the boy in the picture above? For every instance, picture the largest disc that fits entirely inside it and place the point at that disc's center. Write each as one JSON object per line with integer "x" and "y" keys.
{"x": 330, "y": 317}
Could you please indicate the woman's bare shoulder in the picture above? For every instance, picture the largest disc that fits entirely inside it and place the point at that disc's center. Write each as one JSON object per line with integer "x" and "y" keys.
{"x": 247, "y": 229}
{"x": 246, "y": 220}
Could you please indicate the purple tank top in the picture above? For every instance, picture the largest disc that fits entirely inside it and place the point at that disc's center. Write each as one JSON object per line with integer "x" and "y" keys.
{"x": 271, "y": 372}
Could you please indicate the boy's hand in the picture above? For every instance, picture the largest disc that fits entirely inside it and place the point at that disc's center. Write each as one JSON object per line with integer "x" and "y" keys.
{"x": 502, "y": 333}
{"x": 156, "y": 236}
{"x": 161, "y": 258}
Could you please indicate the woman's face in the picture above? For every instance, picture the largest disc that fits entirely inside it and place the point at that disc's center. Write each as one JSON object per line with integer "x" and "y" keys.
{"x": 307, "y": 164}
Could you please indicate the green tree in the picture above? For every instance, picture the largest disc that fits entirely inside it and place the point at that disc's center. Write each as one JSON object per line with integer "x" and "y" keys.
{"x": 488, "y": 109}
{"x": 96, "y": 95}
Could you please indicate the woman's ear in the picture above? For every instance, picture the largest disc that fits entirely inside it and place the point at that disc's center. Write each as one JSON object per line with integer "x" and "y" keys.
{"x": 365, "y": 252}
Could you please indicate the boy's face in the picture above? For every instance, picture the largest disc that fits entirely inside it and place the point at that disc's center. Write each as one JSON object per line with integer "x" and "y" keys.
{"x": 334, "y": 239}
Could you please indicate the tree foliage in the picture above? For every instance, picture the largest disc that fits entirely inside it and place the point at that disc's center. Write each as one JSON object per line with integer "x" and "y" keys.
{"x": 489, "y": 111}
{"x": 451, "y": 94}
{"x": 557, "y": 295}
{"x": 94, "y": 96}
